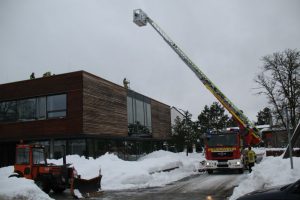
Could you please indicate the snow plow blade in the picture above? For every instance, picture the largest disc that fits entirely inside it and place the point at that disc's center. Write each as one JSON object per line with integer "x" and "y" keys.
{"x": 82, "y": 188}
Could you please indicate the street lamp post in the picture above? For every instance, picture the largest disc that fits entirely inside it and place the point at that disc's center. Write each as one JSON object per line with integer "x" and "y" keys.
{"x": 289, "y": 136}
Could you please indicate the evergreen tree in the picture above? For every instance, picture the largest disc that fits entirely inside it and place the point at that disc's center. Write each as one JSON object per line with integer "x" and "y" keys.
{"x": 214, "y": 118}
{"x": 264, "y": 116}
{"x": 185, "y": 131}
{"x": 231, "y": 123}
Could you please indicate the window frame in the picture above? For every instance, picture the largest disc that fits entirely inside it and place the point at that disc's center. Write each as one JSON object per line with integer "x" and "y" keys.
{"x": 15, "y": 116}
{"x": 24, "y": 116}
{"x": 41, "y": 112}
{"x": 56, "y": 110}
{"x": 146, "y": 124}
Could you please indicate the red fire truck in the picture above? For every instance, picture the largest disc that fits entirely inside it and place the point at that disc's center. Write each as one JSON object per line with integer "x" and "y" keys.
{"x": 223, "y": 150}
{"x": 219, "y": 153}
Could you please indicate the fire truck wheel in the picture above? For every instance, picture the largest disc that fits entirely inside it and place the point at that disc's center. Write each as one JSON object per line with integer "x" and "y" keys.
{"x": 43, "y": 184}
{"x": 209, "y": 171}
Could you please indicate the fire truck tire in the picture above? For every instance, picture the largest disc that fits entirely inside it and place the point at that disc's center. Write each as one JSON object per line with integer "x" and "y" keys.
{"x": 209, "y": 171}
{"x": 58, "y": 189}
{"x": 241, "y": 171}
{"x": 43, "y": 184}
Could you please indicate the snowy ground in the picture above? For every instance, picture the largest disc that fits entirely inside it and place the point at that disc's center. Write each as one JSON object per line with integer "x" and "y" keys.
{"x": 117, "y": 174}
{"x": 272, "y": 171}
{"x": 147, "y": 172}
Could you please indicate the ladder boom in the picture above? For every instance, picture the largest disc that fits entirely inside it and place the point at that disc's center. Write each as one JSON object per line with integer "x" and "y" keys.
{"x": 141, "y": 19}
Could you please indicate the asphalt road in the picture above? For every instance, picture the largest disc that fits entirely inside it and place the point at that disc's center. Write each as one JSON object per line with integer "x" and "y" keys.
{"x": 218, "y": 186}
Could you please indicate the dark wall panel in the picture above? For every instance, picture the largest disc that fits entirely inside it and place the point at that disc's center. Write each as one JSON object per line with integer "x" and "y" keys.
{"x": 41, "y": 86}
{"x": 104, "y": 107}
{"x": 70, "y": 83}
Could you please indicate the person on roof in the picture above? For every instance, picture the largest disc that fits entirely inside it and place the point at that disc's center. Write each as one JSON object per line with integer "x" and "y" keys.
{"x": 126, "y": 83}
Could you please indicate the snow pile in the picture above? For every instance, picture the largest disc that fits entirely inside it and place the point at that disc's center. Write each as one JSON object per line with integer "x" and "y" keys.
{"x": 149, "y": 171}
{"x": 259, "y": 150}
{"x": 272, "y": 171}
{"x": 18, "y": 188}
{"x": 146, "y": 172}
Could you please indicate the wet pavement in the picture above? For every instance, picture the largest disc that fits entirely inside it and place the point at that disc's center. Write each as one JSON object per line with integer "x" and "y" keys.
{"x": 218, "y": 186}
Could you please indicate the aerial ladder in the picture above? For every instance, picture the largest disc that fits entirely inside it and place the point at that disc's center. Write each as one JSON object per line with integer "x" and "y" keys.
{"x": 247, "y": 129}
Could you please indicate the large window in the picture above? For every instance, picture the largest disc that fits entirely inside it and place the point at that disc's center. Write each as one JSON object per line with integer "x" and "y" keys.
{"x": 41, "y": 108}
{"x": 8, "y": 111}
{"x": 130, "y": 110}
{"x": 77, "y": 147}
{"x": 59, "y": 148}
{"x": 54, "y": 106}
{"x": 27, "y": 109}
{"x": 139, "y": 115}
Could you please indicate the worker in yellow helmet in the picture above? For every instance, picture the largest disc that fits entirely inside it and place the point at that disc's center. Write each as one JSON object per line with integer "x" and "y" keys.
{"x": 251, "y": 158}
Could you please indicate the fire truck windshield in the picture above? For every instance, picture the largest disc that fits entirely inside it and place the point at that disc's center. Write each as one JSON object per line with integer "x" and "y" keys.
{"x": 220, "y": 140}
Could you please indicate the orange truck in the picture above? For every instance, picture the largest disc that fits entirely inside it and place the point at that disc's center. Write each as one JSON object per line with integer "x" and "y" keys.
{"x": 31, "y": 163}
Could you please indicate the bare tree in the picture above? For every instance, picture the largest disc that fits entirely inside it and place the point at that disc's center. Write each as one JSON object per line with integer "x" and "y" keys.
{"x": 279, "y": 81}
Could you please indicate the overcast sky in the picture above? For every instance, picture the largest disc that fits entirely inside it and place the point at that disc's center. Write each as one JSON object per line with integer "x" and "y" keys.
{"x": 226, "y": 39}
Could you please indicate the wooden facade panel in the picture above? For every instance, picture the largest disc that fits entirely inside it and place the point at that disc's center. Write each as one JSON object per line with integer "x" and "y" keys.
{"x": 104, "y": 107}
{"x": 161, "y": 120}
{"x": 70, "y": 84}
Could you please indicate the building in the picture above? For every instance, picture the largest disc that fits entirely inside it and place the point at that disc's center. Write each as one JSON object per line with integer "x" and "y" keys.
{"x": 175, "y": 113}
{"x": 277, "y": 138}
{"x": 80, "y": 113}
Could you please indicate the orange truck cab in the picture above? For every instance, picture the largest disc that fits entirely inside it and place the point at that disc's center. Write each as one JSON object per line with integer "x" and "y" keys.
{"x": 31, "y": 163}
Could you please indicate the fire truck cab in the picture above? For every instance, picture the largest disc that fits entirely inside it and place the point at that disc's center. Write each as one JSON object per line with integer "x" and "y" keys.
{"x": 223, "y": 150}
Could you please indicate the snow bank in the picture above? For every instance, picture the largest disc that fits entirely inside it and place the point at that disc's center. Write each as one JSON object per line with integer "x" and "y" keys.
{"x": 259, "y": 150}
{"x": 272, "y": 171}
{"x": 18, "y": 188}
{"x": 149, "y": 171}
{"x": 146, "y": 172}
